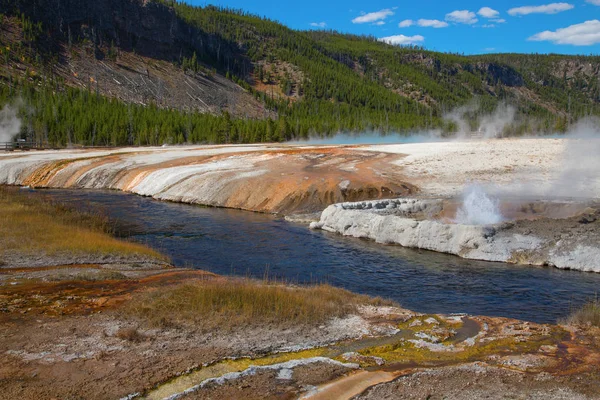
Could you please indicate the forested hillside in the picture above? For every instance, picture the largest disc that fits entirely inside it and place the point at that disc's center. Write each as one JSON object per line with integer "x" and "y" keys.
{"x": 117, "y": 72}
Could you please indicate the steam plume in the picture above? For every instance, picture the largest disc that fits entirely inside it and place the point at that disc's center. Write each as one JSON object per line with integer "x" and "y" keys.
{"x": 489, "y": 126}
{"x": 580, "y": 164}
{"x": 10, "y": 124}
{"x": 478, "y": 208}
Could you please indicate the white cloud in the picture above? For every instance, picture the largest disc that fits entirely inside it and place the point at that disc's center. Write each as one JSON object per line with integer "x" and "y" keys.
{"x": 374, "y": 16}
{"x": 462, "y": 17}
{"x": 487, "y": 12}
{"x": 499, "y": 20}
{"x": 488, "y": 26}
{"x": 424, "y": 23}
{"x": 379, "y": 23}
{"x": 431, "y": 23}
{"x": 594, "y": 2}
{"x": 318, "y": 24}
{"x": 401, "y": 39}
{"x": 584, "y": 34}
{"x": 553, "y": 8}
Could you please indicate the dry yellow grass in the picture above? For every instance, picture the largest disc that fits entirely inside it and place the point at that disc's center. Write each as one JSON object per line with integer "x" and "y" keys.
{"x": 588, "y": 315}
{"x": 34, "y": 226}
{"x": 227, "y": 304}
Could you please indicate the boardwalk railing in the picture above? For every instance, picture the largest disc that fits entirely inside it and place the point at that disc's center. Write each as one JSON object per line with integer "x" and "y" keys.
{"x": 12, "y": 146}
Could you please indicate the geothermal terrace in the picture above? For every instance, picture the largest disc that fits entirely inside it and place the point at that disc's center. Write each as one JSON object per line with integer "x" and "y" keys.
{"x": 529, "y": 201}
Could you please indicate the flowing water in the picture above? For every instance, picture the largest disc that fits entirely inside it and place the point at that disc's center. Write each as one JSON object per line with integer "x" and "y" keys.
{"x": 233, "y": 242}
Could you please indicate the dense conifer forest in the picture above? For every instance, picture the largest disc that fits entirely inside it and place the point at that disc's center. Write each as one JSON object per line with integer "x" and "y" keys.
{"x": 308, "y": 82}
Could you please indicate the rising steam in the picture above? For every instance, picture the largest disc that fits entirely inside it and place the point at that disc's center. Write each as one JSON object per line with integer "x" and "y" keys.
{"x": 580, "y": 169}
{"x": 493, "y": 125}
{"x": 10, "y": 124}
{"x": 488, "y": 126}
{"x": 478, "y": 208}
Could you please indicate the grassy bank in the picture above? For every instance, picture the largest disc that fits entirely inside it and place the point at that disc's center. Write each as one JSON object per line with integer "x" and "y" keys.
{"x": 588, "y": 315}
{"x": 34, "y": 226}
{"x": 227, "y": 304}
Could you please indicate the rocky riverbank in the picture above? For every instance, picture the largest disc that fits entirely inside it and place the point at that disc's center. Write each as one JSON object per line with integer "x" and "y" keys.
{"x": 569, "y": 242}
{"x": 78, "y": 338}
{"x": 270, "y": 179}
{"x": 125, "y": 324}
{"x": 304, "y": 180}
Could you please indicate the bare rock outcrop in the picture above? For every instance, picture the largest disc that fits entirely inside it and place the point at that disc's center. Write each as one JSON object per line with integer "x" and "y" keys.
{"x": 562, "y": 243}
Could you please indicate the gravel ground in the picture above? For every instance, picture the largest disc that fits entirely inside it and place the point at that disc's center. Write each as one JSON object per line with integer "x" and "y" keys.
{"x": 479, "y": 381}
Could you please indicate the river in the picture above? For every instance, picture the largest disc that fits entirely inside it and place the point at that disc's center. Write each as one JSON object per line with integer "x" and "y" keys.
{"x": 233, "y": 242}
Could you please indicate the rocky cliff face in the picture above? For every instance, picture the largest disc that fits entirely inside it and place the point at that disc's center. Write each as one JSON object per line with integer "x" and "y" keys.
{"x": 131, "y": 50}
{"x": 503, "y": 74}
{"x": 148, "y": 28}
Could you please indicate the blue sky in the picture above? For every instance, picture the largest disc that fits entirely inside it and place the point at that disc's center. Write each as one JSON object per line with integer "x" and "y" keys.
{"x": 467, "y": 26}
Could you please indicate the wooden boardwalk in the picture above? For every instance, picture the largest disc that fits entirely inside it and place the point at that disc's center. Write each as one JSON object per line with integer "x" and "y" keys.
{"x": 22, "y": 146}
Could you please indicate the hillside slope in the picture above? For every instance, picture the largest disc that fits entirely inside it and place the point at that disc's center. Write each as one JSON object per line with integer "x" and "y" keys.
{"x": 275, "y": 83}
{"x": 121, "y": 49}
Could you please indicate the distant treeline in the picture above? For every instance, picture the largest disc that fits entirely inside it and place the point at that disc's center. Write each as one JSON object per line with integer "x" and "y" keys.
{"x": 338, "y": 83}
{"x": 364, "y": 73}
{"x": 57, "y": 115}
